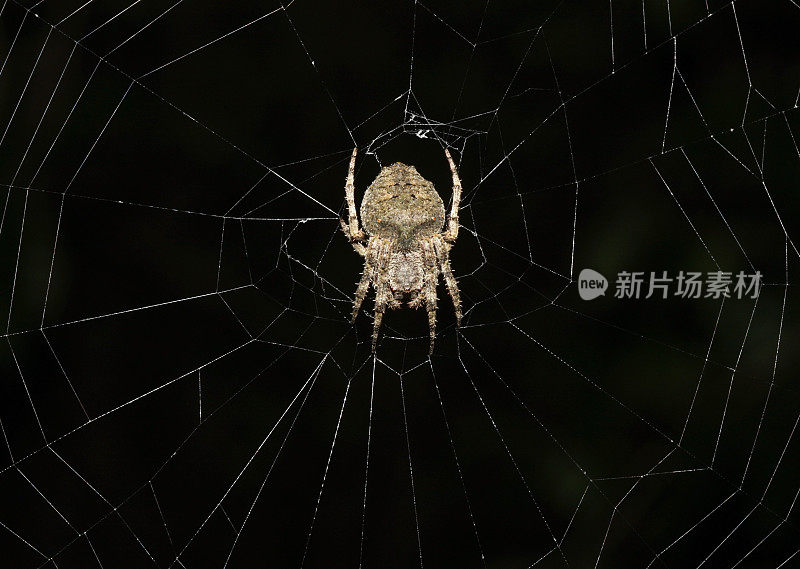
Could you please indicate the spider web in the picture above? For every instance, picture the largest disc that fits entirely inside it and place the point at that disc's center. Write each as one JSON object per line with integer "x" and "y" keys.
{"x": 182, "y": 386}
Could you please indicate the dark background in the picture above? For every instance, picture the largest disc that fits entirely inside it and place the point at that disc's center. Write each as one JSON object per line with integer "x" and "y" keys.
{"x": 178, "y": 358}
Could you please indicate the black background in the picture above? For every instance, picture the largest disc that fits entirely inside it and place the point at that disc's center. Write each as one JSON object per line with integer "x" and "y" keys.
{"x": 173, "y": 278}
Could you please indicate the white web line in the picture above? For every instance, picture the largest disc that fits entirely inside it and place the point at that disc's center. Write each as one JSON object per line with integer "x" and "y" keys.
{"x": 25, "y": 88}
{"x": 22, "y": 539}
{"x": 47, "y": 501}
{"x": 683, "y": 211}
{"x": 108, "y": 503}
{"x": 730, "y": 385}
{"x": 55, "y": 243}
{"x": 161, "y": 514}
{"x": 252, "y": 457}
{"x": 325, "y": 474}
{"x": 13, "y": 43}
{"x": 513, "y": 461}
{"x": 102, "y": 59}
{"x": 617, "y": 505}
{"x": 571, "y": 160}
{"x": 171, "y": 457}
{"x": 366, "y": 467}
{"x": 702, "y": 372}
{"x": 113, "y": 410}
{"x": 27, "y": 394}
{"x": 41, "y": 119}
{"x": 591, "y": 481}
{"x": 129, "y": 310}
{"x": 240, "y": 529}
{"x": 411, "y": 471}
{"x": 710, "y": 466}
{"x": 458, "y": 467}
{"x": 774, "y": 369}
{"x": 212, "y": 42}
{"x": 75, "y": 11}
{"x": 111, "y": 19}
{"x": 140, "y": 30}
{"x": 611, "y": 34}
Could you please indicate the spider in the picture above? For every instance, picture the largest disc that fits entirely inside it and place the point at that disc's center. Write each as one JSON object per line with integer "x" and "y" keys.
{"x": 402, "y": 243}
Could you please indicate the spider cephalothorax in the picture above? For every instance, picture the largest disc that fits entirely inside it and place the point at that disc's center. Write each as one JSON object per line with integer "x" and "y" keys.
{"x": 402, "y": 242}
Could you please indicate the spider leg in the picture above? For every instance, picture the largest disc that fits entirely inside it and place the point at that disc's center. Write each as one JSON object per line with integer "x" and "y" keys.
{"x": 357, "y": 245}
{"x": 381, "y": 298}
{"x": 351, "y": 229}
{"x": 367, "y": 276}
{"x": 441, "y": 248}
{"x": 432, "y": 324}
{"x": 429, "y": 289}
{"x": 361, "y": 292}
{"x": 383, "y": 293}
{"x": 452, "y": 220}
{"x": 416, "y": 300}
{"x": 393, "y": 302}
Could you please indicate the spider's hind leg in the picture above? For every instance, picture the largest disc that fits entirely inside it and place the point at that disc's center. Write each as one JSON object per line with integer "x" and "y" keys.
{"x": 443, "y": 258}
{"x": 429, "y": 289}
{"x": 381, "y": 299}
{"x": 361, "y": 292}
{"x": 367, "y": 276}
{"x": 432, "y": 324}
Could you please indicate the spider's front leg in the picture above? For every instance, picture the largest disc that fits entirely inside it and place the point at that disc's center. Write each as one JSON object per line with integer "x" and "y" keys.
{"x": 382, "y": 296}
{"x": 351, "y": 228}
{"x": 452, "y": 220}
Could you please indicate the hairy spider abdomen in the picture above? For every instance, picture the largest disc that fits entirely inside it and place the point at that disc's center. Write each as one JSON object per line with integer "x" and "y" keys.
{"x": 403, "y": 206}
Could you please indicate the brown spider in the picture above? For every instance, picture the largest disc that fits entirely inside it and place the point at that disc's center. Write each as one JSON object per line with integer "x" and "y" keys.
{"x": 402, "y": 242}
